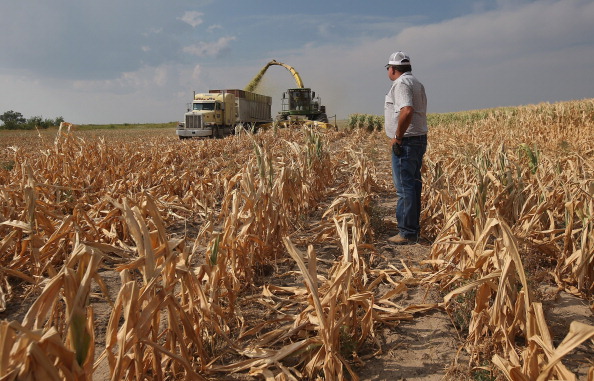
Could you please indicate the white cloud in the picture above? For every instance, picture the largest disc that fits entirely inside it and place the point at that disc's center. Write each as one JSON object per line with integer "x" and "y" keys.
{"x": 515, "y": 55}
{"x": 500, "y": 36}
{"x": 129, "y": 82}
{"x": 151, "y": 94}
{"x": 325, "y": 29}
{"x": 202, "y": 49}
{"x": 196, "y": 72}
{"x": 518, "y": 54}
{"x": 152, "y": 31}
{"x": 192, "y": 18}
{"x": 161, "y": 76}
{"x": 214, "y": 27}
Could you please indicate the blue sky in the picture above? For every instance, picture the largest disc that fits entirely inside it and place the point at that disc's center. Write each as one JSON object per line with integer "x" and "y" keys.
{"x": 138, "y": 61}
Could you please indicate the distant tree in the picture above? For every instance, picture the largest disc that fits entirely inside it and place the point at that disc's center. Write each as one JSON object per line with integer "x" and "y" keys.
{"x": 13, "y": 120}
{"x": 34, "y": 122}
{"x": 39, "y": 122}
{"x": 48, "y": 123}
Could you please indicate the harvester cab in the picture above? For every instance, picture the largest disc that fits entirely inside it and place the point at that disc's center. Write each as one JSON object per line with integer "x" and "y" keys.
{"x": 302, "y": 104}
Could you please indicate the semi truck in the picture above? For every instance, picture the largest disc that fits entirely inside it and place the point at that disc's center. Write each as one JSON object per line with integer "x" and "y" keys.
{"x": 218, "y": 112}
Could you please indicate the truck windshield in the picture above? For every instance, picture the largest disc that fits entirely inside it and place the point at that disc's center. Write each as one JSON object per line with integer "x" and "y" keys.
{"x": 203, "y": 106}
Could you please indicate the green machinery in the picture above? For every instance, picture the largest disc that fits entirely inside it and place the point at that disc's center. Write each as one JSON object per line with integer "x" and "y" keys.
{"x": 299, "y": 104}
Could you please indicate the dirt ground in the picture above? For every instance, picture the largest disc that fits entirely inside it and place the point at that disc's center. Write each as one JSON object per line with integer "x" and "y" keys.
{"x": 424, "y": 347}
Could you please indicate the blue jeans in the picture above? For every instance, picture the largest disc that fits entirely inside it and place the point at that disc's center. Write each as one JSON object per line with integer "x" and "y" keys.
{"x": 406, "y": 173}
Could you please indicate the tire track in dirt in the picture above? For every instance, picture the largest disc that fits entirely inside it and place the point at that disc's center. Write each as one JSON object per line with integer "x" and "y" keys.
{"x": 424, "y": 347}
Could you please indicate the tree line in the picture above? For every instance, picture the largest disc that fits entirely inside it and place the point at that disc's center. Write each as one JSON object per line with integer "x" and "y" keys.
{"x": 13, "y": 120}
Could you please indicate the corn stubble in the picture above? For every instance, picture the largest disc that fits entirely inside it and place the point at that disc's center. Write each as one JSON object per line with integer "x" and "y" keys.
{"x": 523, "y": 196}
{"x": 80, "y": 205}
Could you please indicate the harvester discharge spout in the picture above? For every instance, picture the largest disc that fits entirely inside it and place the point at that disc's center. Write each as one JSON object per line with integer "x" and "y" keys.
{"x": 253, "y": 85}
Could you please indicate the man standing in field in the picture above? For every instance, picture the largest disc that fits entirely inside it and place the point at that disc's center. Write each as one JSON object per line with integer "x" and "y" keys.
{"x": 405, "y": 112}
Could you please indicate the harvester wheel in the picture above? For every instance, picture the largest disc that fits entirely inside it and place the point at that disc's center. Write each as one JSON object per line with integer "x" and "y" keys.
{"x": 322, "y": 118}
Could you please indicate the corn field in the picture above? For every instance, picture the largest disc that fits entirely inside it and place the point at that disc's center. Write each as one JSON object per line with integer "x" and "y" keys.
{"x": 214, "y": 246}
{"x": 366, "y": 121}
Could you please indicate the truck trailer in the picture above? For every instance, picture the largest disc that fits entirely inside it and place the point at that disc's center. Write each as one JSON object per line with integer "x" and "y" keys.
{"x": 218, "y": 112}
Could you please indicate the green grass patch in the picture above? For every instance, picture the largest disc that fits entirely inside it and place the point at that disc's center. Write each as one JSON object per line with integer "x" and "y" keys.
{"x": 462, "y": 118}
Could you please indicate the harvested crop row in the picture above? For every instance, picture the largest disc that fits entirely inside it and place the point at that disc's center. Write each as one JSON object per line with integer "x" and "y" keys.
{"x": 191, "y": 226}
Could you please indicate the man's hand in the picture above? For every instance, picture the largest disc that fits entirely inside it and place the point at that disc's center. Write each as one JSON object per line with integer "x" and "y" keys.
{"x": 396, "y": 147}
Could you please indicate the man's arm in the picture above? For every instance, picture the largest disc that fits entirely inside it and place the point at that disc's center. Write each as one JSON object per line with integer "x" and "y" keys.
{"x": 404, "y": 119}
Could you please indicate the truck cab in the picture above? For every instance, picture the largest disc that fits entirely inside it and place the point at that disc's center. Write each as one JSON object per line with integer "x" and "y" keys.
{"x": 209, "y": 115}
{"x": 218, "y": 112}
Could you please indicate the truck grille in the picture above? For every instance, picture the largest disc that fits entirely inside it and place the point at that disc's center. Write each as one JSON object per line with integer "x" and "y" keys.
{"x": 193, "y": 121}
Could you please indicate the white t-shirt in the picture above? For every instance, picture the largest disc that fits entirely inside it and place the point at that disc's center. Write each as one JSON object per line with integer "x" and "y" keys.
{"x": 406, "y": 90}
